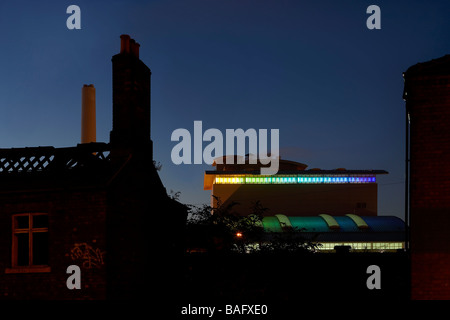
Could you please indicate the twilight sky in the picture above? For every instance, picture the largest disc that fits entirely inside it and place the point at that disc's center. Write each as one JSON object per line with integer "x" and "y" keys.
{"x": 311, "y": 69}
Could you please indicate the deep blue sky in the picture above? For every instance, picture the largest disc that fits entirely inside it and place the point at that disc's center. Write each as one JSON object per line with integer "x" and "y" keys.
{"x": 308, "y": 68}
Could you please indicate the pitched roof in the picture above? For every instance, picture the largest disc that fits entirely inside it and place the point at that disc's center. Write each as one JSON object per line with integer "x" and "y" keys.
{"x": 439, "y": 66}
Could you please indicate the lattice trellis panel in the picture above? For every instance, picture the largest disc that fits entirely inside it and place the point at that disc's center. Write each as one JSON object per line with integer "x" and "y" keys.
{"x": 40, "y": 159}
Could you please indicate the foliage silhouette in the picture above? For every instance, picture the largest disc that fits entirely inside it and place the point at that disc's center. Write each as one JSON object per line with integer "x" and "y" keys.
{"x": 220, "y": 229}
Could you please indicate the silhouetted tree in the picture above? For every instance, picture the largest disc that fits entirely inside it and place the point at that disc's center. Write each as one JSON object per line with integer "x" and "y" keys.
{"x": 157, "y": 165}
{"x": 174, "y": 195}
{"x": 221, "y": 229}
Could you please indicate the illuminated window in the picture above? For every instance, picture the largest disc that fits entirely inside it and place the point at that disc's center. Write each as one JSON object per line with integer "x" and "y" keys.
{"x": 30, "y": 240}
{"x": 371, "y": 246}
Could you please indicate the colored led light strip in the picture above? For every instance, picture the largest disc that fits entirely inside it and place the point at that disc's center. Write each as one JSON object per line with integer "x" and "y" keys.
{"x": 293, "y": 179}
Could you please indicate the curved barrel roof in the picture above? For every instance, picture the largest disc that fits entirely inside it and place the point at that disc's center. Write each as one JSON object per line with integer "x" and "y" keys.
{"x": 348, "y": 227}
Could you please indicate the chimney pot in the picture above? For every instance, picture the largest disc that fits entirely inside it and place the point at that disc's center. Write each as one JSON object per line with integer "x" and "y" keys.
{"x": 88, "y": 126}
{"x": 135, "y": 49}
{"x": 125, "y": 43}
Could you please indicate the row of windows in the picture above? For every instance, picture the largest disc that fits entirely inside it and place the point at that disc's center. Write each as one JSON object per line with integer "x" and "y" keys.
{"x": 329, "y": 246}
{"x": 363, "y": 245}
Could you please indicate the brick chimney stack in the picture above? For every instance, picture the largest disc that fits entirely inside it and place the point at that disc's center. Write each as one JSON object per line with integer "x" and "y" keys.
{"x": 131, "y": 100}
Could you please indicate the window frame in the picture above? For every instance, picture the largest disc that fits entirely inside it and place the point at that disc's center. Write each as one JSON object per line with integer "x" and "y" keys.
{"x": 30, "y": 230}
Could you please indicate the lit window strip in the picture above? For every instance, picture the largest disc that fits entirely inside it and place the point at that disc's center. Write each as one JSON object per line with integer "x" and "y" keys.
{"x": 297, "y": 179}
{"x": 363, "y": 245}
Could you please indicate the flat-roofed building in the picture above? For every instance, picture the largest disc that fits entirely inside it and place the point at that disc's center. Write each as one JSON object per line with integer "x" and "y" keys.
{"x": 294, "y": 190}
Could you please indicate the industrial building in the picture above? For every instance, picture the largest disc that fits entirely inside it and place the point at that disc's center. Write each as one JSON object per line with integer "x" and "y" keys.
{"x": 333, "y": 208}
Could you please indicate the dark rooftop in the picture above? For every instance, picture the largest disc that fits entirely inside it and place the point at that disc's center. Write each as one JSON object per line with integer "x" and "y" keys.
{"x": 439, "y": 66}
{"x": 85, "y": 162}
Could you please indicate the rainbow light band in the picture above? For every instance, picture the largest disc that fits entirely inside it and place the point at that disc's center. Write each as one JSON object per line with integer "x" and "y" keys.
{"x": 296, "y": 179}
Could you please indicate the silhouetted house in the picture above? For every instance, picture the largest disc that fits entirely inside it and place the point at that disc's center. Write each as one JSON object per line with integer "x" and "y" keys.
{"x": 427, "y": 96}
{"x": 92, "y": 205}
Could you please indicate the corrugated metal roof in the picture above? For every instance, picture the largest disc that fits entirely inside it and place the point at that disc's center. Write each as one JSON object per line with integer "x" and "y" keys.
{"x": 346, "y": 224}
{"x": 380, "y": 228}
{"x": 385, "y": 223}
{"x": 309, "y": 224}
{"x": 271, "y": 224}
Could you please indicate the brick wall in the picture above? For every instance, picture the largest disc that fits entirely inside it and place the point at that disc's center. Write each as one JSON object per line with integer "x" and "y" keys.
{"x": 76, "y": 219}
{"x": 430, "y": 276}
{"x": 428, "y": 102}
